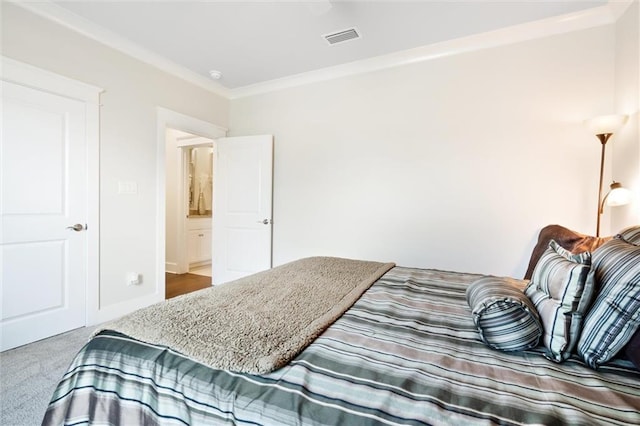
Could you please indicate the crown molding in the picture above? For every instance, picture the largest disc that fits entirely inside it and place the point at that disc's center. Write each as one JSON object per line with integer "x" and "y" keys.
{"x": 64, "y": 17}
{"x": 602, "y": 15}
{"x": 617, "y": 8}
{"x": 594, "y": 17}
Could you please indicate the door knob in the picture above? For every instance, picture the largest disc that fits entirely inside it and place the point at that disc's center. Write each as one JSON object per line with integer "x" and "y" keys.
{"x": 77, "y": 227}
{"x": 265, "y": 221}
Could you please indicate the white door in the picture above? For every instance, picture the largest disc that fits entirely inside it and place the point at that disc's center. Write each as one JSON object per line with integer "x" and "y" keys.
{"x": 44, "y": 181}
{"x": 242, "y": 196}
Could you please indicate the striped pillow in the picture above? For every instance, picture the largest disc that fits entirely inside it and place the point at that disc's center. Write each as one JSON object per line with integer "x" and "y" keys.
{"x": 615, "y": 314}
{"x": 504, "y": 316}
{"x": 561, "y": 293}
{"x": 631, "y": 234}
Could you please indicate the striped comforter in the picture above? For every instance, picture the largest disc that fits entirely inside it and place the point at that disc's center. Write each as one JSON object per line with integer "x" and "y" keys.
{"x": 406, "y": 353}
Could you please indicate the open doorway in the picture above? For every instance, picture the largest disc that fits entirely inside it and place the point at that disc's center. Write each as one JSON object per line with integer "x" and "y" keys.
{"x": 189, "y": 214}
{"x": 198, "y": 179}
{"x": 169, "y": 161}
{"x": 242, "y": 216}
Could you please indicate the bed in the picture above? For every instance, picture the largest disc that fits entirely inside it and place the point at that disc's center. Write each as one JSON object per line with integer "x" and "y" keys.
{"x": 407, "y": 352}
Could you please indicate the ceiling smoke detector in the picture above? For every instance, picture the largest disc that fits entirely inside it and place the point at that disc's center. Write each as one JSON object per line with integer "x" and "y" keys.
{"x": 215, "y": 74}
{"x": 342, "y": 36}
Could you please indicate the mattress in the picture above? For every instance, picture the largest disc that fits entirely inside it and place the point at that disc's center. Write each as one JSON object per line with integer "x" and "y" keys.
{"x": 406, "y": 353}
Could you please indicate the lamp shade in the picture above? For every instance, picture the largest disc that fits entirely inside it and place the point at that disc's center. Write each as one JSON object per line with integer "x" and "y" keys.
{"x": 618, "y": 195}
{"x": 605, "y": 124}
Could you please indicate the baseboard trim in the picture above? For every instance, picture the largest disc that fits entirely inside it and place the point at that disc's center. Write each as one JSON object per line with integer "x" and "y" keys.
{"x": 199, "y": 264}
{"x": 171, "y": 267}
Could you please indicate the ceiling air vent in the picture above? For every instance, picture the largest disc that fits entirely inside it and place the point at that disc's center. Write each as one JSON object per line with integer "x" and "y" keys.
{"x": 340, "y": 36}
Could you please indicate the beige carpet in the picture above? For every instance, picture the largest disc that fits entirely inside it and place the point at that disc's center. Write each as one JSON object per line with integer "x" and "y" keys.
{"x": 258, "y": 323}
{"x": 30, "y": 373}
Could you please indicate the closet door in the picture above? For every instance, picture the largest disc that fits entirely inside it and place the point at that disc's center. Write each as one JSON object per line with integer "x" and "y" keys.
{"x": 44, "y": 214}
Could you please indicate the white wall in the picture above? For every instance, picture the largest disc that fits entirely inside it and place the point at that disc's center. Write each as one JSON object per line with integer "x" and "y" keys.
{"x": 128, "y": 140}
{"x": 625, "y": 146}
{"x": 454, "y": 163}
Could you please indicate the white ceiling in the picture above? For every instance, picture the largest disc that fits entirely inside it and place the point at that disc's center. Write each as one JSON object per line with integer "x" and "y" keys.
{"x": 259, "y": 41}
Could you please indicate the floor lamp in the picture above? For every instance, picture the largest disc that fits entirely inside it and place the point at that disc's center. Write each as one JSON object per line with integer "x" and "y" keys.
{"x": 604, "y": 127}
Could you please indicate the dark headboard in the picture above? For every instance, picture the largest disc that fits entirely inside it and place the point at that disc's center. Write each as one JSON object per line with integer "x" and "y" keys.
{"x": 568, "y": 239}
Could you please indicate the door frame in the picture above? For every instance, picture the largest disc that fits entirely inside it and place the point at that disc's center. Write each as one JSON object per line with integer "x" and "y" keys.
{"x": 167, "y": 118}
{"x": 37, "y": 78}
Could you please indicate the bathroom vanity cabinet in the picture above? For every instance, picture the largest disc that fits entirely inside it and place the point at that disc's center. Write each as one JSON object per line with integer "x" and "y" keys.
{"x": 199, "y": 241}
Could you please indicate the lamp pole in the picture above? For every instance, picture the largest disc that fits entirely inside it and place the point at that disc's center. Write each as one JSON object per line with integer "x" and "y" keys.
{"x": 603, "y": 127}
{"x": 603, "y": 137}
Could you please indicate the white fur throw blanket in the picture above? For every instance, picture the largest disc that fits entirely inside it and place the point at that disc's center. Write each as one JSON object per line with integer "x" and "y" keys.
{"x": 258, "y": 323}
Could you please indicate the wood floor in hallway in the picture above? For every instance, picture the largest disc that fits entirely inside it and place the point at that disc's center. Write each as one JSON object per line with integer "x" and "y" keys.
{"x": 177, "y": 284}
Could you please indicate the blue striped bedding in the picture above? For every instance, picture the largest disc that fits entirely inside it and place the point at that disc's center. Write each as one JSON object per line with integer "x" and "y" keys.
{"x": 406, "y": 353}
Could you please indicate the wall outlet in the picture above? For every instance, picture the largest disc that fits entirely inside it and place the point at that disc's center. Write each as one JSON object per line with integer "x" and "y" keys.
{"x": 134, "y": 278}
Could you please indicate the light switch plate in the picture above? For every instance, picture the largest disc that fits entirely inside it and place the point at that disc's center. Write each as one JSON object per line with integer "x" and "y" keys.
{"x": 127, "y": 187}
